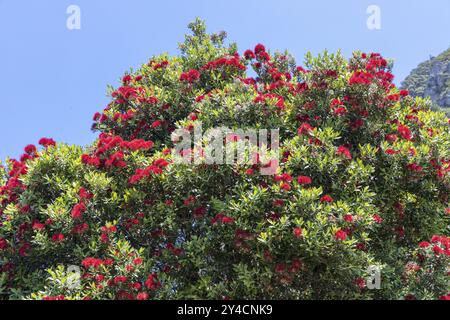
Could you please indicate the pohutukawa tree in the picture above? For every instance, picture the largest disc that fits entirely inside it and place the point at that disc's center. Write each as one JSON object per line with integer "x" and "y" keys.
{"x": 363, "y": 181}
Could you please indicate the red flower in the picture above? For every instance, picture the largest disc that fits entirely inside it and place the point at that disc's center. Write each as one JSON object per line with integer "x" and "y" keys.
{"x": 249, "y": 55}
{"x": 142, "y": 296}
{"x": 342, "y": 150}
{"x": 435, "y": 239}
{"x": 30, "y": 149}
{"x": 190, "y": 76}
{"x": 356, "y": 124}
{"x": 391, "y": 137}
{"x": 340, "y": 111}
{"x": 340, "y": 235}
{"x": 227, "y": 220}
{"x": 304, "y": 180}
{"x": 226, "y": 61}
{"x": 285, "y": 177}
{"x": 92, "y": 161}
{"x": 260, "y": 49}
{"x": 249, "y": 172}
{"x": 404, "y": 132}
{"x": 348, "y": 218}
{"x": 58, "y": 237}
{"x": 96, "y": 116}
{"x": 126, "y": 79}
{"x": 360, "y": 282}
{"x": 360, "y": 77}
{"x": 46, "y": 142}
{"x": 326, "y": 198}
{"x": 446, "y": 297}
{"x": 84, "y": 194}
{"x": 404, "y": 93}
{"x": 377, "y": 218}
{"x": 296, "y": 265}
{"x": 152, "y": 282}
{"x": 23, "y": 250}
{"x": 298, "y": 232}
{"x": 38, "y": 226}
{"x": 391, "y": 152}
{"x": 78, "y": 210}
{"x": 3, "y": 244}
{"x": 120, "y": 279}
{"x": 414, "y": 167}
{"x": 280, "y": 268}
{"x": 285, "y": 186}
{"x": 156, "y": 124}
{"x": 305, "y": 128}
{"x": 92, "y": 262}
{"x": 199, "y": 212}
{"x": 104, "y": 238}
{"x": 424, "y": 244}
{"x": 437, "y": 250}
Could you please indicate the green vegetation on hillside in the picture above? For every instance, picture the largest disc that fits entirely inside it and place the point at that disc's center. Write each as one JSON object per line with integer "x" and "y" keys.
{"x": 432, "y": 79}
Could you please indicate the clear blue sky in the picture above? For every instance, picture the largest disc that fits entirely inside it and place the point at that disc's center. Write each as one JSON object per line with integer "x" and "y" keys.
{"x": 52, "y": 80}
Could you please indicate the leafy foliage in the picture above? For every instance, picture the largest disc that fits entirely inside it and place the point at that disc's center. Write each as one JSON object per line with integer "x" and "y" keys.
{"x": 363, "y": 180}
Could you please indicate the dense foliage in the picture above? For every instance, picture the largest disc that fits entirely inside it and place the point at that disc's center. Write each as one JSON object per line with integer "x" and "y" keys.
{"x": 363, "y": 181}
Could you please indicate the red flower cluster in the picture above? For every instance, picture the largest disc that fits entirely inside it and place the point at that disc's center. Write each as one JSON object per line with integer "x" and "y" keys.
{"x": 249, "y": 55}
{"x": 287, "y": 271}
{"x": 30, "y": 149}
{"x": 341, "y": 235}
{"x": 377, "y": 218}
{"x": 152, "y": 282}
{"x": 414, "y": 167}
{"x": 156, "y": 168}
{"x": 191, "y": 76}
{"x": 285, "y": 180}
{"x": 298, "y": 232}
{"x": 78, "y": 210}
{"x": 58, "y": 237}
{"x": 125, "y": 93}
{"x": 262, "y": 98}
{"x": 404, "y": 132}
{"x": 304, "y": 180}
{"x": 305, "y": 128}
{"x": 222, "y": 218}
{"x": 439, "y": 245}
{"x": 46, "y": 142}
{"x": 95, "y": 263}
{"x": 227, "y": 61}
{"x": 3, "y": 244}
{"x": 326, "y": 198}
{"x": 106, "y": 144}
{"x": 261, "y": 54}
{"x": 360, "y": 77}
{"x": 161, "y": 65}
{"x": 343, "y": 151}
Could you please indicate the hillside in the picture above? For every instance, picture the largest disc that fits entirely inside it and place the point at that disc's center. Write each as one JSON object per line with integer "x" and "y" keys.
{"x": 432, "y": 78}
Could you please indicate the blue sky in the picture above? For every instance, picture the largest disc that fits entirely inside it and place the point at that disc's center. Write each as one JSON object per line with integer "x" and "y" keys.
{"x": 52, "y": 80}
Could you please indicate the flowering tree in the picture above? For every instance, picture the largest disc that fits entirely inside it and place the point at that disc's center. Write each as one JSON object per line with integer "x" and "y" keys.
{"x": 363, "y": 182}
